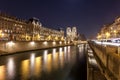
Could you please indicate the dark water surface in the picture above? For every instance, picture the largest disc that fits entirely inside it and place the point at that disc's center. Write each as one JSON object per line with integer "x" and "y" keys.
{"x": 63, "y": 63}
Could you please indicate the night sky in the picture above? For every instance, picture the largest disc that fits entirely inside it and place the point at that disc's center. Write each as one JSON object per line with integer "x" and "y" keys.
{"x": 87, "y": 15}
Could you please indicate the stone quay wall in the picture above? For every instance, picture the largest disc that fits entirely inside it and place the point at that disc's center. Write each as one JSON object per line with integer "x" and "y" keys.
{"x": 109, "y": 60}
{"x": 10, "y": 47}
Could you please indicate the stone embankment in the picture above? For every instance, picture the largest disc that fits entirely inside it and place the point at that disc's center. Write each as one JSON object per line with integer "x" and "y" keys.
{"x": 10, "y": 47}
{"x": 108, "y": 59}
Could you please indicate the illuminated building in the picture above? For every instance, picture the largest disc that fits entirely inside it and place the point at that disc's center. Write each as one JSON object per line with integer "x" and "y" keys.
{"x": 112, "y": 29}
{"x": 74, "y": 33}
{"x": 71, "y": 34}
{"x": 68, "y": 33}
{"x": 13, "y": 28}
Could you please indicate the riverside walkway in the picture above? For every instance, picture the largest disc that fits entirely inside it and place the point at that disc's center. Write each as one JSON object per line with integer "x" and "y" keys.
{"x": 108, "y": 59}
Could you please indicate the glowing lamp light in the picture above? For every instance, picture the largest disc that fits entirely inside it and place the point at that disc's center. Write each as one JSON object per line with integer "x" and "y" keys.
{"x": 2, "y": 34}
{"x": 11, "y": 43}
{"x": 45, "y": 43}
{"x": 60, "y": 42}
{"x": 5, "y": 30}
{"x": 32, "y": 43}
{"x": 114, "y": 31}
{"x": 107, "y": 34}
{"x": 54, "y": 42}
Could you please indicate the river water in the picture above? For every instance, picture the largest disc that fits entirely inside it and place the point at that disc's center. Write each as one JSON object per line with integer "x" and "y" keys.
{"x": 62, "y": 63}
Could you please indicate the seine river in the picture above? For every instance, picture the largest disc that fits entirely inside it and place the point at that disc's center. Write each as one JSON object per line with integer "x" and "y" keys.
{"x": 62, "y": 63}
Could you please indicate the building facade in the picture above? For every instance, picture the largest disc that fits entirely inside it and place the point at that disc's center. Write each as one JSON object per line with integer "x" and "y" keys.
{"x": 71, "y": 33}
{"x": 110, "y": 31}
{"x": 12, "y": 28}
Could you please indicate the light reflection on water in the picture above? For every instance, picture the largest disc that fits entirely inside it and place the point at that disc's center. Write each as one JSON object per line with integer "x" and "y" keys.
{"x": 11, "y": 68}
{"x": 61, "y": 57}
{"x": 32, "y": 64}
{"x": 68, "y": 53}
{"x": 55, "y": 59}
{"x": 38, "y": 66}
{"x": 45, "y": 53}
{"x": 2, "y": 72}
{"x": 35, "y": 64}
{"x": 25, "y": 69}
{"x": 49, "y": 62}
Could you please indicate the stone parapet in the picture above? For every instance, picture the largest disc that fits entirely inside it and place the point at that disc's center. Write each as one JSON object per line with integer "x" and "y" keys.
{"x": 108, "y": 59}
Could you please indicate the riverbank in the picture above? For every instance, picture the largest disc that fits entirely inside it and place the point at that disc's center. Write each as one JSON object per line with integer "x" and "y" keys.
{"x": 11, "y": 47}
{"x": 93, "y": 71}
